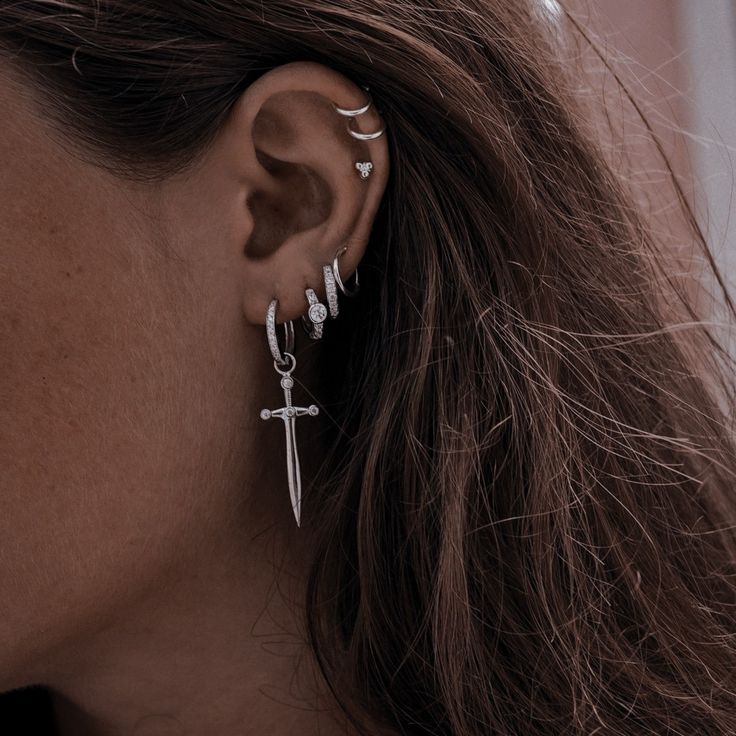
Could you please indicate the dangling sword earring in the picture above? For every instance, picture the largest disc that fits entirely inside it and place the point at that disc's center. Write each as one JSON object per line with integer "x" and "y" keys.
{"x": 289, "y": 412}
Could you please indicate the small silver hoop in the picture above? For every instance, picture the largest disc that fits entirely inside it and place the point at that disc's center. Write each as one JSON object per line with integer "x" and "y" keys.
{"x": 313, "y": 321}
{"x": 351, "y": 113}
{"x": 287, "y": 371}
{"x": 358, "y": 111}
{"x": 336, "y": 271}
{"x": 273, "y": 342}
{"x": 331, "y": 291}
{"x": 366, "y": 136}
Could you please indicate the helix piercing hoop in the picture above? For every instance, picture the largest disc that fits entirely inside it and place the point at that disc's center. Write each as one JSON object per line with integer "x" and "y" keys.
{"x": 336, "y": 271}
{"x": 358, "y": 111}
{"x": 366, "y": 136}
{"x": 273, "y": 342}
{"x": 313, "y": 321}
{"x": 331, "y": 290}
{"x": 348, "y": 113}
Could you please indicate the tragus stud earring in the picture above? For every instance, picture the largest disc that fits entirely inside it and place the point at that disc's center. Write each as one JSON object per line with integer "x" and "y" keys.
{"x": 364, "y": 167}
{"x": 288, "y": 412}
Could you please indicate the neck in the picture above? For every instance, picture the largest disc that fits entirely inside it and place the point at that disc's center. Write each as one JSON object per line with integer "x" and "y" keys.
{"x": 216, "y": 648}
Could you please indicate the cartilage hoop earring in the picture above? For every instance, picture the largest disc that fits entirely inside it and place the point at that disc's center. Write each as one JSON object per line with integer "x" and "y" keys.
{"x": 273, "y": 342}
{"x": 336, "y": 271}
{"x": 348, "y": 113}
{"x": 357, "y": 111}
{"x": 313, "y": 321}
{"x": 366, "y": 136}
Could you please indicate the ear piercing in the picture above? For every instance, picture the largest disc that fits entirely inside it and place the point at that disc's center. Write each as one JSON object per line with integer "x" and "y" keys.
{"x": 284, "y": 362}
{"x": 359, "y": 111}
{"x": 364, "y": 167}
{"x": 336, "y": 271}
{"x": 273, "y": 343}
{"x": 331, "y": 290}
{"x": 313, "y": 321}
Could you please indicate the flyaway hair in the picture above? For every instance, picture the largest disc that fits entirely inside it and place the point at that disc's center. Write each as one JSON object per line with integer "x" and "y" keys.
{"x": 526, "y": 517}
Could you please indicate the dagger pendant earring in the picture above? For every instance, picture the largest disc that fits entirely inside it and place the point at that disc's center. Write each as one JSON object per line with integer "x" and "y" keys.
{"x": 288, "y": 413}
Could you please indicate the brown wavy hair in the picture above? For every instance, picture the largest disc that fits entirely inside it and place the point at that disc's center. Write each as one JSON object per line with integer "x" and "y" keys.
{"x": 526, "y": 517}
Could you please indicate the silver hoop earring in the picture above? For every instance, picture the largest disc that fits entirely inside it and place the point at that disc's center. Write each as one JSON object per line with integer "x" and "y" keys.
{"x": 273, "y": 342}
{"x": 336, "y": 271}
{"x": 348, "y": 113}
{"x": 288, "y": 413}
{"x": 366, "y": 136}
{"x": 357, "y": 111}
{"x": 331, "y": 291}
{"x": 313, "y": 321}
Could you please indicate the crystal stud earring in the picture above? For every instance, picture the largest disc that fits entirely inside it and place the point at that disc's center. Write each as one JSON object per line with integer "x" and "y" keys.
{"x": 364, "y": 167}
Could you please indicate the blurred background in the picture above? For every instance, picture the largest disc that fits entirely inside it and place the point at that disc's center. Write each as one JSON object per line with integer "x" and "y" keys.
{"x": 678, "y": 57}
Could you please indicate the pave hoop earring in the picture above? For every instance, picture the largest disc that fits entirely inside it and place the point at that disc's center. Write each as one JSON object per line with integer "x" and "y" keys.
{"x": 336, "y": 271}
{"x": 273, "y": 342}
{"x": 331, "y": 290}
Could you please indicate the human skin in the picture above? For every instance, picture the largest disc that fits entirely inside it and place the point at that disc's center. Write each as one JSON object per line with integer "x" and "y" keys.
{"x": 150, "y": 567}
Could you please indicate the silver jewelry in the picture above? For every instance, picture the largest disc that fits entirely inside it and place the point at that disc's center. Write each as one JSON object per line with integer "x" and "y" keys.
{"x": 313, "y": 321}
{"x": 364, "y": 167}
{"x": 336, "y": 271}
{"x": 273, "y": 342}
{"x": 288, "y": 413}
{"x": 331, "y": 290}
{"x": 347, "y": 112}
{"x": 358, "y": 111}
{"x": 366, "y": 136}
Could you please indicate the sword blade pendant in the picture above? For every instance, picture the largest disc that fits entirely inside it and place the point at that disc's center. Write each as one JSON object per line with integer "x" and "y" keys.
{"x": 288, "y": 413}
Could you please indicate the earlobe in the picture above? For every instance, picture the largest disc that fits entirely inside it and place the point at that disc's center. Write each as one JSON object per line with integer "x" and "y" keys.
{"x": 313, "y": 169}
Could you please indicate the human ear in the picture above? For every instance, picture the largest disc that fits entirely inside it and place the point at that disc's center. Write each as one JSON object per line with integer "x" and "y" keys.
{"x": 304, "y": 194}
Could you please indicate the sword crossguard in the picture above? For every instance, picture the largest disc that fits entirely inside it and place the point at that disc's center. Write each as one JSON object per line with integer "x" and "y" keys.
{"x": 289, "y": 412}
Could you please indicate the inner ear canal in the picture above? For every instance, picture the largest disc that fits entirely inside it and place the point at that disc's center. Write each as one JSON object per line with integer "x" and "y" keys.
{"x": 299, "y": 200}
